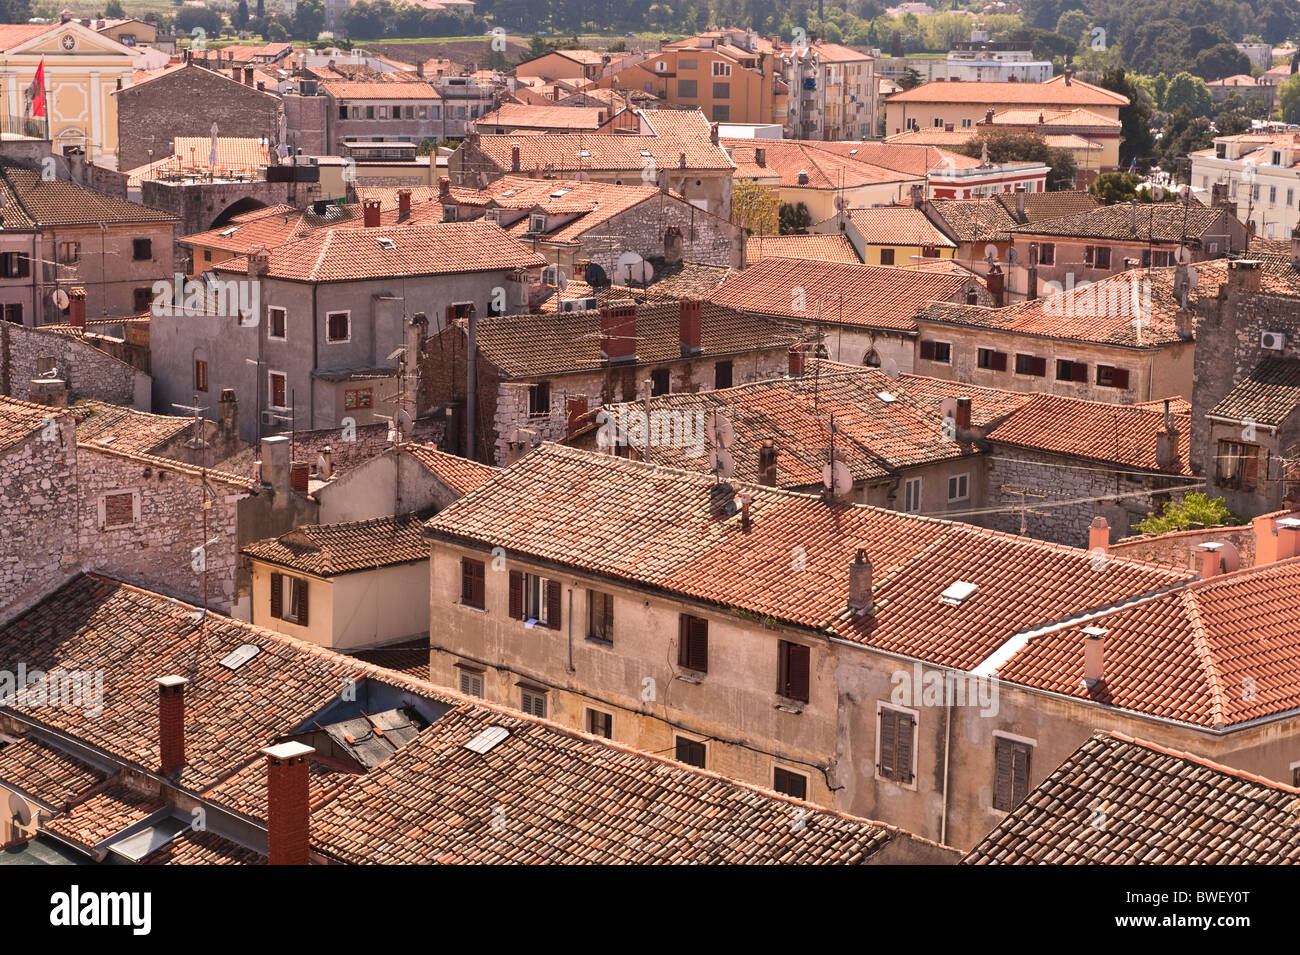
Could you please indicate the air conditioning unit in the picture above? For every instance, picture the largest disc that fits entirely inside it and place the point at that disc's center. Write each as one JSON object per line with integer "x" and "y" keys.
{"x": 578, "y": 304}
{"x": 1273, "y": 341}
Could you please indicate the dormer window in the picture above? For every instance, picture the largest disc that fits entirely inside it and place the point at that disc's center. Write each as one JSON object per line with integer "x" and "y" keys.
{"x": 1220, "y": 150}
{"x": 1277, "y": 157}
{"x": 537, "y": 222}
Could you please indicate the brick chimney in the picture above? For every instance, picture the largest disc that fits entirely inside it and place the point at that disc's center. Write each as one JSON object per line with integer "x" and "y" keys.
{"x": 767, "y": 463}
{"x": 1094, "y": 656}
{"x": 988, "y": 115}
{"x": 963, "y": 416}
{"x": 860, "y": 598}
{"x": 234, "y": 73}
{"x": 444, "y": 189}
{"x": 404, "y": 202}
{"x": 51, "y": 392}
{"x": 1020, "y": 203}
{"x": 760, "y": 156}
{"x": 690, "y": 316}
{"x": 171, "y": 723}
{"x": 77, "y": 307}
{"x": 288, "y": 804}
{"x": 995, "y": 282}
{"x": 1099, "y": 536}
{"x": 299, "y": 472}
{"x": 1244, "y": 275}
{"x": 514, "y": 158}
{"x": 798, "y": 359}
{"x": 618, "y": 333}
{"x": 259, "y": 262}
{"x": 248, "y": 76}
{"x": 370, "y": 212}
{"x": 1211, "y": 560}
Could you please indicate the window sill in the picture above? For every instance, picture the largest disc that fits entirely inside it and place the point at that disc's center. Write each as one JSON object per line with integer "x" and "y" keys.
{"x": 597, "y": 641}
{"x": 694, "y": 677}
{"x": 787, "y": 705}
{"x": 471, "y": 607}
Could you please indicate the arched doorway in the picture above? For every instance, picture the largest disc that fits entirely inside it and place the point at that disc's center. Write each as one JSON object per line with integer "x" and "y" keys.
{"x": 239, "y": 207}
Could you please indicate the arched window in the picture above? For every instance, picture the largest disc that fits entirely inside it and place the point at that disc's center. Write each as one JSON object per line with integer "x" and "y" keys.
{"x": 822, "y": 352}
{"x": 872, "y": 359}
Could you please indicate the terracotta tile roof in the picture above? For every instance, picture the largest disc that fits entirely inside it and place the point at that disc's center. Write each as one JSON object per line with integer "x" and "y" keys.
{"x": 16, "y": 34}
{"x": 346, "y": 255}
{"x": 825, "y": 248}
{"x": 1098, "y": 430}
{"x": 930, "y": 135}
{"x": 1268, "y": 395}
{"x": 534, "y": 346}
{"x": 103, "y": 815}
{"x": 870, "y": 296}
{"x": 1158, "y": 807}
{"x": 1140, "y": 222}
{"x": 459, "y": 474}
{"x": 327, "y": 550}
{"x": 913, "y": 160}
{"x": 244, "y": 53}
{"x": 349, "y": 89}
{"x": 12, "y": 214}
{"x": 125, "y": 428}
{"x": 665, "y": 529}
{"x": 411, "y": 657}
{"x": 1049, "y": 118}
{"x": 681, "y": 280}
{"x": 203, "y": 848}
{"x": 60, "y": 202}
{"x": 785, "y": 159}
{"x": 875, "y": 437}
{"x": 897, "y": 225}
{"x": 1075, "y": 315}
{"x": 992, "y": 219}
{"x": 1053, "y": 92}
{"x": 604, "y": 151}
{"x": 21, "y": 419}
{"x": 54, "y": 777}
{"x": 544, "y": 117}
{"x": 1179, "y": 406}
{"x": 987, "y": 404}
{"x": 274, "y": 227}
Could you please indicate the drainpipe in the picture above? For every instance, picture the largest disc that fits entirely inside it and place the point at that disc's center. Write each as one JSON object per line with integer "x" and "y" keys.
{"x": 315, "y": 363}
{"x": 947, "y": 754}
{"x": 571, "y": 669}
{"x": 471, "y": 385}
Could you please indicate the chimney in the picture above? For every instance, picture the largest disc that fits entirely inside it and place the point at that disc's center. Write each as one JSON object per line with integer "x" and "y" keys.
{"x": 576, "y": 406}
{"x": 690, "y": 313}
{"x": 171, "y": 723}
{"x": 1265, "y": 541}
{"x": 259, "y": 262}
{"x": 299, "y": 472}
{"x": 288, "y": 804}
{"x": 77, "y": 307}
{"x": 229, "y": 411}
{"x": 404, "y": 202}
{"x": 1211, "y": 561}
{"x": 797, "y": 357}
{"x": 860, "y": 583}
{"x": 248, "y": 76}
{"x": 51, "y": 392}
{"x": 370, "y": 212}
{"x": 1133, "y": 216}
{"x": 745, "y": 522}
{"x": 618, "y": 333}
{"x": 767, "y": 463}
{"x": 234, "y": 73}
{"x": 760, "y": 156}
{"x": 917, "y": 193}
{"x": 681, "y": 160}
{"x": 994, "y": 282}
{"x": 444, "y": 189}
{"x": 672, "y": 243}
{"x": 988, "y": 115}
{"x": 514, "y": 158}
{"x": 713, "y": 133}
{"x": 1069, "y": 75}
{"x": 1166, "y": 441}
{"x": 1094, "y": 656}
{"x": 963, "y": 417}
{"x": 1020, "y": 203}
{"x": 275, "y": 463}
{"x": 555, "y": 93}
{"x": 1244, "y": 275}
{"x": 1099, "y": 536}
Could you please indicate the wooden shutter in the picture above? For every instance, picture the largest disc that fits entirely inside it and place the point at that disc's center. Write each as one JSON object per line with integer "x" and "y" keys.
{"x": 1119, "y": 377}
{"x": 609, "y": 617}
{"x": 1019, "y": 773}
{"x": 1250, "y": 474}
{"x": 1001, "y": 774}
{"x": 277, "y": 596}
{"x": 1038, "y": 366}
{"x": 999, "y": 361}
{"x": 303, "y": 589}
{"x": 903, "y": 751}
{"x": 693, "y": 643}
{"x": 927, "y": 350}
{"x": 1088, "y": 254}
{"x": 451, "y": 315}
{"x": 24, "y": 265}
{"x": 797, "y": 671}
{"x": 553, "y": 604}
{"x": 516, "y": 595}
{"x": 888, "y": 743}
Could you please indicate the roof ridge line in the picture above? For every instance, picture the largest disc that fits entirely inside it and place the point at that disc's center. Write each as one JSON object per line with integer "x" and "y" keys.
{"x": 1201, "y": 647}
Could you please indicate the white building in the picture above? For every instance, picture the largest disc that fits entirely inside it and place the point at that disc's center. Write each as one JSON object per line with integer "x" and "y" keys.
{"x": 1260, "y": 172}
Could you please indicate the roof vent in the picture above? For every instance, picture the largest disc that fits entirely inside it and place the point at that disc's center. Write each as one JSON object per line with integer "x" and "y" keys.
{"x": 237, "y": 658}
{"x": 886, "y": 397}
{"x": 958, "y": 593}
{"x": 487, "y": 740}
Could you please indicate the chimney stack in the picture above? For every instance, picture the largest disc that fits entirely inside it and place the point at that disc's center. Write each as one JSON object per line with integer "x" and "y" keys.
{"x": 275, "y": 463}
{"x": 514, "y": 158}
{"x": 917, "y": 193}
{"x": 248, "y": 76}
{"x": 404, "y": 201}
{"x": 860, "y": 599}
{"x": 171, "y": 723}
{"x": 760, "y": 156}
{"x": 444, "y": 189}
{"x": 988, "y": 115}
{"x": 1099, "y": 536}
{"x": 767, "y": 463}
{"x": 963, "y": 417}
{"x": 259, "y": 262}
{"x": 1166, "y": 441}
{"x": 690, "y": 315}
{"x": 618, "y": 333}
{"x": 1094, "y": 656}
{"x": 234, "y": 73}
{"x": 798, "y": 359}
{"x": 1244, "y": 275}
{"x": 299, "y": 472}
{"x": 995, "y": 282}
{"x": 1020, "y": 203}
{"x": 326, "y": 465}
{"x": 575, "y": 407}
{"x": 1069, "y": 75}
{"x": 288, "y": 804}
{"x": 77, "y": 307}
{"x": 51, "y": 392}
{"x": 370, "y": 211}
{"x": 1211, "y": 560}
{"x": 229, "y": 410}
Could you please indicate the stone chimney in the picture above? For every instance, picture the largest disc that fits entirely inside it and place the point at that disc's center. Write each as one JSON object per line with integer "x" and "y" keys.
{"x": 1094, "y": 656}
{"x": 444, "y": 189}
{"x": 288, "y": 804}
{"x": 1244, "y": 275}
{"x": 1099, "y": 536}
{"x": 1166, "y": 441}
{"x": 860, "y": 598}
{"x": 797, "y": 357}
{"x": 259, "y": 262}
{"x": 234, "y": 73}
{"x": 370, "y": 212}
{"x": 767, "y": 463}
{"x": 690, "y": 316}
{"x": 514, "y": 158}
{"x": 51, "y": 392}
{"x": 77, "y": 307}
{"x": 672, "y": 243}
{"x": 228, "y": 408}
{"x": 404, "y": 202}
{"x": 1020, "y": 203}
{"x": 760, "y": 156}
{"x": 171, "y": 723}
{"x": 988, "y": 115}
{"x": 917, "y": 193}
{"x": 995, "y": 282}
{"x": 618, "y": 333}
{"x": 248, "y": 76}
{"x": 1069, "y": 75}
{"x": 275, "y": 463}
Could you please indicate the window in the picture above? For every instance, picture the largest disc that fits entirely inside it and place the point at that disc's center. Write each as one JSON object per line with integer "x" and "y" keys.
{"x": 792, "y": 784}
{"x": 721, "y": 113}
{"x": 721, "y": 69}
{"x": 600, "y": 724}
{"x": 722, "y": 375}
{"x": 200, "y": 375}
{"x": 535, "y": 598}
{"x": 940, "y": 352}
{"x": 471, "y": 683}
{"x": 722, "y": 91}
{"x": 370, "y": 112}
{"x": 693, "y": 643}
{"x": 1031, "y": 365}
{"x": 895, "y": 745}
{"x": 537, "y": 222}
{"x": 1157, "y": 258}
{"x": 278, "y": 388}
{"x": 1272, "y": 194}
{"x": 1047, "y": 253}
{"x": 289, "y": 599}
{"x": 793, "y": 670}
{"x": 471, "y": 583}
{"x": 1067, "y": 370}
{"x": 276, "y": 322}
{"x": 13, "y": 313}
{"x": 15, "y": 265}
{"x": 959, "y": 487}
{"x": 141, "y": 298}
{"x": 687, "y": 89}
{"x": 690, "y": 752}
{"x": 343, "y": 112}
{"x": 118, "y": 510}
{"x": 1010, "y": 772}
{"x": 338, "y": 326}
{"x": 450, "y": 213}
{"x": 871, "y": 359}
{"x": 357, "y": 398}
{"x": 912, "y": 495}
{"x": 539, "y": 399}
{"x": 533, "y": 701}
{"x": 1097, "y": 256}
{"x": 141, "y": 249}
{"x": 1109, "y": 377}
{"x": 1237, "y": 466}
{"x": 659, "y": 381}
{"x": 886, "y": 256}
{"x": 69, "y": 253}
{"x": 600, "y": 617}
{"x": 991, "y": 360}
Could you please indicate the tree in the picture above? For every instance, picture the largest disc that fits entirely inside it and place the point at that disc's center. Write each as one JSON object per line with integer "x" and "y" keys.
{"x": 1073, "y": 23}
{"x": 1191, "y": 92}
{"x": 113, "y": 10}
{"x": 275, "y": 31}
{"x": 1135, "y": 118}
{"x": 794, "y": 220}
{"x": 241, "y": 14}
{"x": 189, "y": 19}
{"x": 1113, "y": 187}
{"x": 261, "y": 9}
{"x": 1195, "y": 509}
{"x": 1216, "y": 62}
{"x": 910, "y": 79}
{"x": 1016, "y": 145}
{"x": 1288, "y": 98}
{"x": 308, "y": 19}
{"x": 755, "y": 208}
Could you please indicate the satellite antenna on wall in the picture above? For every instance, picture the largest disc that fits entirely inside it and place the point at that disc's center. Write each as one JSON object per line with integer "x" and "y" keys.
{"x": 1013, "y": 256}
{"x": 837, "y": 478}
{"x": 721, "y": 431}
{"x": 722, "y": 463}
{"x": 595, "y": 277}
{"x": 632, "y": 268}
{"x": 60, "y": 298}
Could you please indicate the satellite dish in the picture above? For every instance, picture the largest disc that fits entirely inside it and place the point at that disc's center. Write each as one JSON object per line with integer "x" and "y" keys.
{"x": 721, "y": 431}
{"x": 990, "y": 253}
{"x": 632, "y": 268}
{"x": 837, "y": 479}
{"x": 19, "y": 810}
{"x": 948, "y": 407}
{"x": 721, "y": 463}
{"x": 1013, "y": 256}
{"x": 402, "y": 421}
{"x": 60, "y": 298}
{"x": 596, "y": 277}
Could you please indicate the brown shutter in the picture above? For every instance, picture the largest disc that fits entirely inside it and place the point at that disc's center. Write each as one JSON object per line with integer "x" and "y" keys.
{"x": 683, "y": 641}
{"x": 1002, "y": 761}
{"x": 24, "y": 265}
{"x": 1251, "y": 474}
{"x": 1088, "y": 253}
{"x": 553, "y": 604}
{"x": 927, "y": 350}
{"x": 999, "y": 361}
{"x": 1039, "y": 367}
{"x": 904, "y": 749}
{"x": 304, "y": 588}
{"x": 1019, "y": 773}
{"x": 451, "y": 315}
{"x": 277, "y": 596}
{"x": 888, "y": 741}
{"x": 466, "y": 582}
{"x": 798, "y": 667}
{"x": 609, "y": 617}
{"x": 516, "y": 595}
{"x": 1120, "y": 377}
{"x": 1078, "y": 371}
{"x": 699, "y": 644}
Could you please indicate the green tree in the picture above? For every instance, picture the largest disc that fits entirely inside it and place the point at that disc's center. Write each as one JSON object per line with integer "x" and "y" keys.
{"x": 1216, "y": 62}
{"x": 308, "y": 19}
{"x": 275, "y": 31}
{"x": 241, "y": 14}
{"x": 1288, "y": 99}
{"x": 755, "y": 208}
{"x": 910, "y": 79}
{"x": 1073, "y": 23}
{"x": 794, "y": 220}
{"x": 1195, "y": 509}
{"x": 1191, "y": 92}
{"x": 1113, "y": 187}
{"x": 1015, "y": 145}
{"x": 1135, "y": 118}
{"x": 113, "y": 10}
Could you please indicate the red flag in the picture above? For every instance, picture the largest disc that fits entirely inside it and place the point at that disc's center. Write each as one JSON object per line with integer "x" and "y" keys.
{"x": 38, "y": 90}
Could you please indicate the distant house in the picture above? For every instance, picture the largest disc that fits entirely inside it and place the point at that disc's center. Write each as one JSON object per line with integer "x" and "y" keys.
{"x": 400, "y": 480}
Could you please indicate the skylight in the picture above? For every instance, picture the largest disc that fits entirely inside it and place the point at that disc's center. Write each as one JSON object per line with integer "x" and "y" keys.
{"x": 386, "y": 243}
{"x": 958, "y": 593}
{"x": 584, "y": 154}
{"x": 231, "y": 231}
{"x": 558, "y": 193}
{"x": 886, "y": 397}
{"x": 237, "y": 658}
{"x": 487, "y": 740}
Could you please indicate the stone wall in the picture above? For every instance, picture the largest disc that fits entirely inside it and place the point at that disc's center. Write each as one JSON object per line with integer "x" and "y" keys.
{"x": 89, "y": 372}
{"x": 706, "y": 239}
{"x": 1179, "y": 549}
